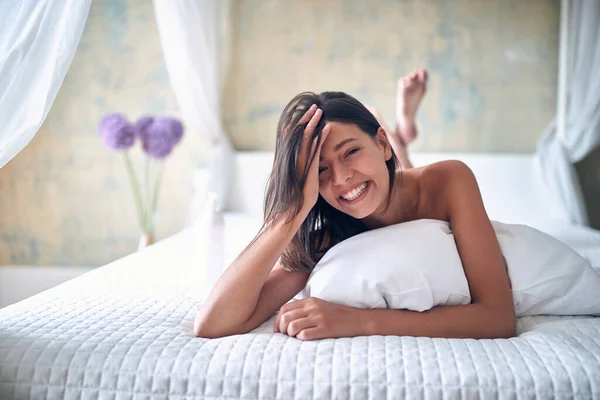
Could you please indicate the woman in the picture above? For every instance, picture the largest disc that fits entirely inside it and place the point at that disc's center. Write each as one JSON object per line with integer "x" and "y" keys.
{"x": 336, "y": 175}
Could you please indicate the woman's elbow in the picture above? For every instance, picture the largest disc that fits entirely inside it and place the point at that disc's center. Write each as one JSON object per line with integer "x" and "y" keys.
{"x": 509, "y": 330}
{"x": 501, "y": 322}
{"x": 507, "y": 325}
{"x": 497, "y": 330}
{"x": 207, "y": 330}
{"x": 201, "y": 331}
{"x": 201, "y": 327}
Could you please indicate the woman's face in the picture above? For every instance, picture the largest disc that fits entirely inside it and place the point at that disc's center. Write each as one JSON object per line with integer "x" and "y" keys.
{"x": 353, "y": 176}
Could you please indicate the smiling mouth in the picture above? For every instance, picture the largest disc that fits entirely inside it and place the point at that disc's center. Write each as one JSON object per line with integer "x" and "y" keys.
{"x": 356, "y": 194}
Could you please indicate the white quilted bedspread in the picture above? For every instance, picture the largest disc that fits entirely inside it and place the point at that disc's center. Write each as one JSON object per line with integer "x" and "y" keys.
{"x": 124, "y": 331}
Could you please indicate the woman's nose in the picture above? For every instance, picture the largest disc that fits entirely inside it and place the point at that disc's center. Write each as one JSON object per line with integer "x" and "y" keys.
{"x": 341, "y": 175}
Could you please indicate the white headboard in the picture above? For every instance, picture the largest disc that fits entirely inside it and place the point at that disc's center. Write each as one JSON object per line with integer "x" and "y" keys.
{"x": 508, "y": 182}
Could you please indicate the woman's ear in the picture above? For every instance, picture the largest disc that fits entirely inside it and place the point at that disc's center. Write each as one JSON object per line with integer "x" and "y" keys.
{"x": 383, "y": 141}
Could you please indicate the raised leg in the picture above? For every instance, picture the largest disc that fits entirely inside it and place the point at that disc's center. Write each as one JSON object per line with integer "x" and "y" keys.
{"x": 395, "y": 140}
{"x": 410, "y": 92}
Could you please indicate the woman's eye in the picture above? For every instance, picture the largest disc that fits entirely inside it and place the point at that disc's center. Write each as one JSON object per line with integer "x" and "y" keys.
{"x": 322, "y": 169}
{"x": 351, "y": 152}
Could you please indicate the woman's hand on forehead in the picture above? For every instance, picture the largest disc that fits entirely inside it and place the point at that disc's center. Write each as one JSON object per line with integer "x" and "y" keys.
{"x": 311, "y": 118}
{"x": 309, "y": 146}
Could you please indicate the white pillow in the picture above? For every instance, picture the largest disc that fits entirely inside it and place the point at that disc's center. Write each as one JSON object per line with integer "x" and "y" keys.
{"x": 416, "y": 266}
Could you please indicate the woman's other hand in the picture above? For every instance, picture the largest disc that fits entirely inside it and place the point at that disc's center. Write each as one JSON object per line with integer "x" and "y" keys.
{"x": 313, "y": 318}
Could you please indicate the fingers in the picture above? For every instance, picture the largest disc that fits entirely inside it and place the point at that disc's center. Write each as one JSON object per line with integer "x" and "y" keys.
{"x": 307, "y": 148}
{"x": 300, "y": 325}
{"x": 309, "y": 334}
{"x": 289, "y": 317}
{"x": 305, "y": 118}
{"x": 286, "y": 307}
{"x": 308, "y": 114}
{"x": 276, "y": 322}
{"x": 312, "y": 124}
{"x": 324, "y": 134}
{"x": 291, "y": 306}
{"x": 297, "y": 320}
{"x": 314, "y": 167}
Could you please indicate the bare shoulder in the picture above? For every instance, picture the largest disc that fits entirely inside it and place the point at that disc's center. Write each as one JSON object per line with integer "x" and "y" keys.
{"x": 444, "y": 170}
{"x": 442, "y": 184}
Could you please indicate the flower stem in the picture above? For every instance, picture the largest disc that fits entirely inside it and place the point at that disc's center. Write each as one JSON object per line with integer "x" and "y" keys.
{"x": 147, "y": 211}
{"x": 157, "y": 187}
{"x": 134, "y": 186}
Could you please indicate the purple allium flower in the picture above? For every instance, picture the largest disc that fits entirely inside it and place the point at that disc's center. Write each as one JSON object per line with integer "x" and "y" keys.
{"x": 161, "y": 136}
{"x": 117, "y": 133}
{"x": 141, "y": 125}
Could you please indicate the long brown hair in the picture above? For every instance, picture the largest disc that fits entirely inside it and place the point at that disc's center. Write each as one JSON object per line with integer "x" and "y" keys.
{"x": 325, "y": 225}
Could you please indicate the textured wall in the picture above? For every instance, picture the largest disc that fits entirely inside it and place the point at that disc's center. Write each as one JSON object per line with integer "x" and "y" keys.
{"x": 492, "y": 64}
{"x": 65, "y": 199}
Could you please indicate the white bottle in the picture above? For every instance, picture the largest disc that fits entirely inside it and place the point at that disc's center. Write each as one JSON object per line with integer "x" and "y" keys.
{"x": 213, "y": 226}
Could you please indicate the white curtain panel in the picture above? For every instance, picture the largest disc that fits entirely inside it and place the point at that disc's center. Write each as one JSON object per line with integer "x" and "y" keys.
{"x": 38, "y": 39}
{"x": 557, "y": 153}
{"x": 192, "y": 42}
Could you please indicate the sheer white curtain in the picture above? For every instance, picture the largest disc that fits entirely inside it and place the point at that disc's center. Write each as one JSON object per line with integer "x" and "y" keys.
{"x": 566, "y": 143}
{"x": 38, "y": 39}
{"x": 192, "y": 42}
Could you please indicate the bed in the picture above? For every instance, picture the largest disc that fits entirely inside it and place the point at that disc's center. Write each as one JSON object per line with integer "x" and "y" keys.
{"x": 124, "y": 330}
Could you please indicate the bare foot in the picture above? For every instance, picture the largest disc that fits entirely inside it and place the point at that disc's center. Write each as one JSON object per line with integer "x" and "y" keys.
{"x": 411, "y": 90}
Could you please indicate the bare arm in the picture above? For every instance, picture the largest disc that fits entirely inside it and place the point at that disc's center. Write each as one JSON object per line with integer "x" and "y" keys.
{"x": 491, "y": 313}
{"x": 248, "y": 292}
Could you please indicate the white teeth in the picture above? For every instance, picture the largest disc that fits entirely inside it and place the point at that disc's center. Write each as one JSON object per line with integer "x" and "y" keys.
{"x": 354, "y": 193}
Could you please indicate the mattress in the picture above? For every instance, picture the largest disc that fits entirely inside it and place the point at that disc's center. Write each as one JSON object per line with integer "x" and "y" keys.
{"x": 124, "y": 331}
